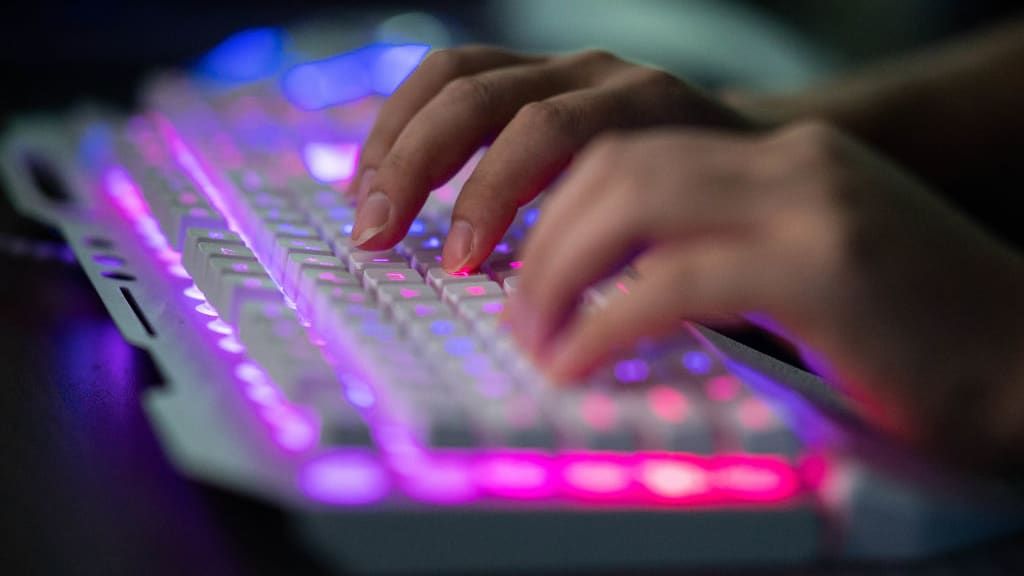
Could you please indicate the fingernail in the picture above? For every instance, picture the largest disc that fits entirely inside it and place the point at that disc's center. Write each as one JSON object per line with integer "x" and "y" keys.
{"x": 458, "y": 247}
{"x": 373, "y": 216}
{"x": 365, "y": 181}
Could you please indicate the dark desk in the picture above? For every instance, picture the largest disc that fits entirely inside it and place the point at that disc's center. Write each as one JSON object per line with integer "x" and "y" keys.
{"x": 84, "y": 487}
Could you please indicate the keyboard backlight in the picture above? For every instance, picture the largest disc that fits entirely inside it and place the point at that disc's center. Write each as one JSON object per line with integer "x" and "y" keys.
{"x": 515, "y": 476}
{"x": 442, "y": 481}
{"x": 597, "y": 476}
{"x": 346, "y": 478}
{"x": 697, "y": 362}
{"x": 632, "y": 370}
{"x": 674, "y": 479}
{"x": 599, "y": 411}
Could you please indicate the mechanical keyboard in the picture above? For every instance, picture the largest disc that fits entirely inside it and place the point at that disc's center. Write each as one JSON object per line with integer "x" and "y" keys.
{"x": 380, "y": 402}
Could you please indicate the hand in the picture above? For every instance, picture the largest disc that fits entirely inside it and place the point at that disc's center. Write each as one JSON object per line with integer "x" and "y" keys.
{"x": 536, "y": 111}
{"x": 894, "y": 296}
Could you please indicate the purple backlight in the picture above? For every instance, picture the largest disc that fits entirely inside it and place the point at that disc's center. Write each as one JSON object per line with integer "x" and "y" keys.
{"x": 347, "y": 478}
{"x": 697, "y": 362}
{"x": 632, "y": 370}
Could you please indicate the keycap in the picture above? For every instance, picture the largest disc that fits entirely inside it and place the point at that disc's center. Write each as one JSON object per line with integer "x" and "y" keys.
{"x": 359, "y": 260}
{"x": 376, "y": 277}
{"x": 284, "y": 248}
{"x": 594, "y": 420}
{"x": 388, "y": 295}
{"x": 456, "y": 293}
{"x": 668, "y": 419}
{"x": 408, "y": 312}
{"x": 197, "y": 235}
{"x": 213, "y": 257}
{"x": 233, "y": 290}
{"x": 761, "y": 428}
{"x": 510, "y": 284}
{"x": 438, "y": 278}
{"x": 298, "y": 263}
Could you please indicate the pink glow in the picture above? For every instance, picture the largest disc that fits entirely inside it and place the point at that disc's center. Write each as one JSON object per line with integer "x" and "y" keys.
{"x": 476, "y": 290}
{"x": 125, "y": 193}
{"x": 596, "y": 475}
{"x": 206, "y": 309}
{"x": 515, "y": 264}
{"x": 754, "y": 478}
{"x": 409, "y": 293}
{"x": 518, "y": 476}
{"x": 493, "y": 307}
{"x": 344, "y": 478}
{"x": 168, "y": 255}
{"x": 599, "y": 411}
{"x": 291, "y": 429}
{"x": 179, "y": 271}
{"x": 755, "y": 414}
{"x": 396, "y": 276}
{"x": 381, "y": 259}
{"x": 331, "y": 161}
{"x": 441, "y": 480}
{"x": 667, "y": 403}
{"x": 723, "y": 388}
{"x": 622, "y": 287}
{"x": 675, "y": 479}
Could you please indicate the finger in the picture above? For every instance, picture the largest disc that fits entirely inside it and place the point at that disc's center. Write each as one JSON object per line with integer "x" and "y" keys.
{"x": 527, "y": 155}
{"x": 656, "y": 189}
{"x": 447, "y": 131}
{"x": 437, "y": 70}
{"x": 686, "y": 281}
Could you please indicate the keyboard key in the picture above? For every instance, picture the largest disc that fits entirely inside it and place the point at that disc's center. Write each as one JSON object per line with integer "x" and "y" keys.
{"x": 438, "y": 278}
{"x": 388, "y": 295}
{"x": 376, "y": 277}
{"x": 510, "y": 284}
{"x": 761, "y": 429}
{"x": 456, "y": 293}
{"x": 299, "y": 263}
{"x": 360, "y": 260}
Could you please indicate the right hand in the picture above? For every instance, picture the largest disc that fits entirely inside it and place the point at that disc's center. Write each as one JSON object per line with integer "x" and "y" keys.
{"x": 536, "y": 112}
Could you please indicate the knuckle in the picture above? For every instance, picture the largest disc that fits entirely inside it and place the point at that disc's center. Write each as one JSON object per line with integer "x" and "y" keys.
{"x": 446, "y": 63}
{"x": 469, "y": 91}
{"x": 547, "y": 116}
{"x": 656, "y": 79}
{"x": 595, "y": 56}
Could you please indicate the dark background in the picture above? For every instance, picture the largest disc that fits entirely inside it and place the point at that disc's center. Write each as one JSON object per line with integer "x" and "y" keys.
{"x": 58, "y": 52}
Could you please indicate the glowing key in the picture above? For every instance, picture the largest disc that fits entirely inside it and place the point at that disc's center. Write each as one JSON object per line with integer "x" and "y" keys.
{"x": 442, "y": 480}
{"x": 599, "y": 411}
{"x": 723, "y": 388}
{"x": 667, "y": 403}
{"x": 331, "y": 161}
{"x": 631, "y": 371}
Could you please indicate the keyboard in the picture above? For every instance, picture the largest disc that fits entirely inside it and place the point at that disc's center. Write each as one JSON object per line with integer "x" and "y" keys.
{"x": 380, "y": 402}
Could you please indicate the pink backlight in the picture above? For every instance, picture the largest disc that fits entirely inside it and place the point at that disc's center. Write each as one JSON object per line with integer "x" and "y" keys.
{"x": 667, "y": 403}
{"x": 476, "y": 290}
{"x": 596, "y": 475}
{"x": 179, "y": 271}
{"x": 723, "y": 388}
{"x": 515, "y": 264}
{"x": 754, "y": 478}
{"x": 125, "y": 194}
{"x": 206, "y": 309}
{"x": 396, "y": 276}
{"x": 493, "y": 307}
{"x": 515, "y": 475}
{"x": 755, "y": 414}
{"x": 675, "y": 479}
{"x": 409, "y": 293}
{"x": 441, "y": 480}
{"x": 291, "y": 429}
{"x": 331, "y": 161}
{"x": 345, "y": 478}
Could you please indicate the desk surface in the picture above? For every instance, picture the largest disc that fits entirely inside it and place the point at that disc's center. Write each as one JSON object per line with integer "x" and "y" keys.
{"x": 84, "y": 486}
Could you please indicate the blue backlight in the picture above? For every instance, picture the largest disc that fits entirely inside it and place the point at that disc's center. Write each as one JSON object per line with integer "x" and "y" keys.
{"x": 244, "y": 56}
{"x": 372, "y": 69}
